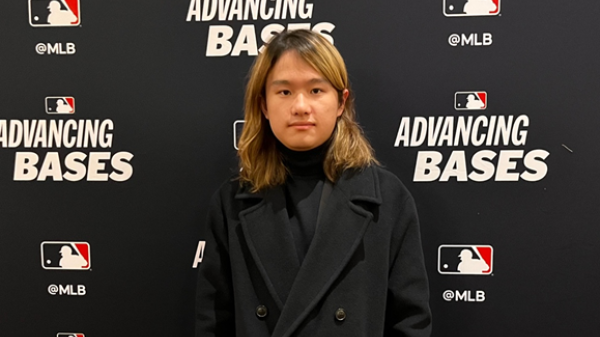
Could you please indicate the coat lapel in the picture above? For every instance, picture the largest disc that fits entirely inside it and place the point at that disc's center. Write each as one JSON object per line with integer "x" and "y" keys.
{"x": 340, "y": 230}
{"x": 270, "y": 241}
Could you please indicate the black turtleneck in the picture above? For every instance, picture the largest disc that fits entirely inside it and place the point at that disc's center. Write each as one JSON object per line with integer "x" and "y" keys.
{"x": 303, "y": 189}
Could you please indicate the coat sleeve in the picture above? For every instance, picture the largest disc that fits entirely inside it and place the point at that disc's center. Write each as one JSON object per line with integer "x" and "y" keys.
{"x": 408, "y": 313}
{"x": 214, "y": 293}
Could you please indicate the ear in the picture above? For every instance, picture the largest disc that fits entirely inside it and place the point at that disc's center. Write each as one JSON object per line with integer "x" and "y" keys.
{"x": 263, "y": 107}
{"x": 345, "y": 95}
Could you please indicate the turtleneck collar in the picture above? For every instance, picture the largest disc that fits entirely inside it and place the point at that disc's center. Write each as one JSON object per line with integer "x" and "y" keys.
{"x": 304, "y": 163}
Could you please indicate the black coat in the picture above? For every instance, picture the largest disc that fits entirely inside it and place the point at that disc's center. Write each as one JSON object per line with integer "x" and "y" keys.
{"x": 363, "y": 275}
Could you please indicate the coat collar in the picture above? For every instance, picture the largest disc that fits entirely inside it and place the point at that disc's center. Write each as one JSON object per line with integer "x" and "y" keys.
{"x": 357, "y": 185}
{"x": 298, "y": 288}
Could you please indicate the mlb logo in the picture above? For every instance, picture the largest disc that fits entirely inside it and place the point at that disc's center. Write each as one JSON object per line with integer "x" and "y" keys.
{"x": 238, "y": 126}
{"x": 465, "y": 259}
{"x": 54, "y": 13}
{"x": 69, "y": 334}
{"x": 471, "y": 7}
{"x": 60, "y": 105}
{"x": 470, "y": 100}
{"x": 63, "y": 255}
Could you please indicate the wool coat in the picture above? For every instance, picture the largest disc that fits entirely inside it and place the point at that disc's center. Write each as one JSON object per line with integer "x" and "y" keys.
{"x": 363, "y": 274}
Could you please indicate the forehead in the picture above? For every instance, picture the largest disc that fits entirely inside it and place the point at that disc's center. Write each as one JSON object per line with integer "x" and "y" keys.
{"x": 291, "y": 67}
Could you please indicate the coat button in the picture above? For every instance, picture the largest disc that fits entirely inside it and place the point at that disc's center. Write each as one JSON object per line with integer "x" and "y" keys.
{"x": 340, "y": 314}
{"x": 261, "y": 311}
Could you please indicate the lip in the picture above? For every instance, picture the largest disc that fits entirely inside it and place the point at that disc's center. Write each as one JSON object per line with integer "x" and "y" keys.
{"x": 302, "y": 125}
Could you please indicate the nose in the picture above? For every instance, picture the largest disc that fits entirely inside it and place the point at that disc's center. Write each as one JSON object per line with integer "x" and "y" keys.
{"x": 300, "y": 105}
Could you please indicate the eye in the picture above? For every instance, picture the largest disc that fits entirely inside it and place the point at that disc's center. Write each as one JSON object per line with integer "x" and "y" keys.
{"x": 316, "y": 91}
{"x": 284, "y": 92}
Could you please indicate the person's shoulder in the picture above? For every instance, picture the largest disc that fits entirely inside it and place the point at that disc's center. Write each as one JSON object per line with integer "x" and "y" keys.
{"x": 384, "y": 173}
{"x": 227, "y": 190}
{"x": 389, "y": 183}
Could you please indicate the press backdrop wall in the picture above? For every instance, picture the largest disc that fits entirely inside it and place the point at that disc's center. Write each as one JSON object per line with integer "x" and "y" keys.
{"x": 156, "y": 88}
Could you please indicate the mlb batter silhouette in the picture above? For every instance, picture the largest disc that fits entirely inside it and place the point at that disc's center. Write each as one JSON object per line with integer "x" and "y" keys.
{"x": 62, "y": 107}
{"x": 59, "y": 16}
{"x": 479, "y": 7}
{"x": 473, "y": 103}
{"x": 469, "y": 265}
{"x": 68, "y": 260}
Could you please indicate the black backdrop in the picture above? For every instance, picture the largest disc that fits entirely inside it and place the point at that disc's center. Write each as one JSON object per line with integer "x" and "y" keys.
{"x": 143, "y": 66}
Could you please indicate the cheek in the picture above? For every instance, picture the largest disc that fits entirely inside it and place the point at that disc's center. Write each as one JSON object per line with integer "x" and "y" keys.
{"x": 275, "y": 120}
{"x": 275, "y": 110}
{"x": 331, "y": 125}
{"x": 332, "y": 112}
{"x": 328, "y": 123}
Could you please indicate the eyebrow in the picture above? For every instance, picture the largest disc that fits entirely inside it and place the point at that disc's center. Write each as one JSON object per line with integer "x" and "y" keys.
{"x": 315, "y": 80}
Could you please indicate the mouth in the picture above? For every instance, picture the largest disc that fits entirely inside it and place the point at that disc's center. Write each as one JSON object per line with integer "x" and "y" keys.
{"x": 302, "y": 125}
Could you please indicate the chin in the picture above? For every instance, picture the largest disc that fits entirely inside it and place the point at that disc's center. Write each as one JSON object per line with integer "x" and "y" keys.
{"x": 300, "y": 147}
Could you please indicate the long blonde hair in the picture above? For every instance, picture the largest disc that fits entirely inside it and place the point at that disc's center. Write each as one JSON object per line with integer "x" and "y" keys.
{"x": 260, "y": 162}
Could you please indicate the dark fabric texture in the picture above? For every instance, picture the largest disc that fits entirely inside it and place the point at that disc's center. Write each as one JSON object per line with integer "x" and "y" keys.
{"x": 303, "y": 193}
{"x": 365, "y": 258}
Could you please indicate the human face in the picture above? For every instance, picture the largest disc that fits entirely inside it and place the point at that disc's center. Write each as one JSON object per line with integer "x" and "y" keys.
{"x": 301, "y": 105}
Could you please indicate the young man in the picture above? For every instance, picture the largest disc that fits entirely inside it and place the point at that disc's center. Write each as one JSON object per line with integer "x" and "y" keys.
{"x": 313, "y": 238}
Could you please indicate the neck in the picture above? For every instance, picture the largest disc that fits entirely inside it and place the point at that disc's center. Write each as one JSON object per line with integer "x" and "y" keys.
{"x": 304, "y": 163}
